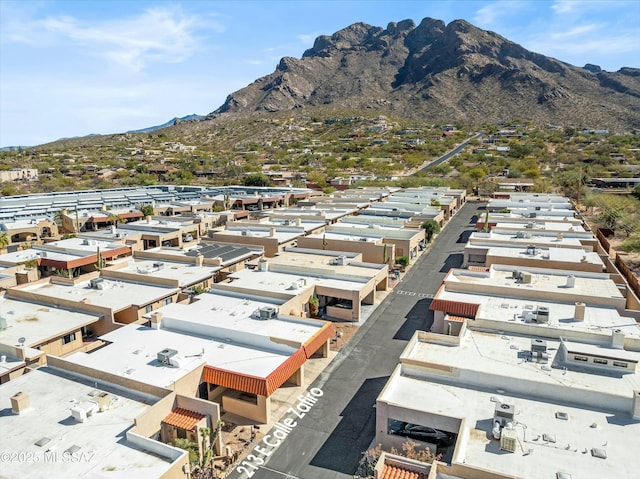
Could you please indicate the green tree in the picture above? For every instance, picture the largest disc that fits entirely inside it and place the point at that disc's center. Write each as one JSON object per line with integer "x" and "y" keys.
{"x": 431, "y": 228}
{"x": 5, "y": 239}
{"x": 403, "y": 261}
{"x": 318, "y": 178}
{"x": 147, "y": 210}
{"x": 314, "y": 306}
{"x": 257, "y": 179}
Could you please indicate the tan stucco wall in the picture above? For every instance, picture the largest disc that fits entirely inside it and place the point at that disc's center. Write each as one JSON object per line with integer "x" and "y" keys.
{"x": 371, "y": 252}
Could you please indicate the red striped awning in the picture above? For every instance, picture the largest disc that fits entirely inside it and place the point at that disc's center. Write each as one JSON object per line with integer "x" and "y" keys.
{"x": 253, "y": 384}
{"x": 183, "y": 418}
{"x": 318, "y": 339}
{"x": 456, "y": 308}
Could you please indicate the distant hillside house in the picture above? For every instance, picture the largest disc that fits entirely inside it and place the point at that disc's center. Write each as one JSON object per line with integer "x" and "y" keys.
{"x": 19, "y": 174}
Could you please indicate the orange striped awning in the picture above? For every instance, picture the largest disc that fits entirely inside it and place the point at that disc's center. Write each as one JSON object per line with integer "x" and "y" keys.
{"x": 183, "y": 418}
{"x": 394, "y": 472}
{"x": 318, "y": 339}
{"x": 457, "y": 308}
{"x": 483, "y": 269}
{"x": 253, "y": 384}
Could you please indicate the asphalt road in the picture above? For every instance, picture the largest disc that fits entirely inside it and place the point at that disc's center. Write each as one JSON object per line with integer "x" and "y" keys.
{"x": 449, "y": 154}
{"x": 328, "y": 441}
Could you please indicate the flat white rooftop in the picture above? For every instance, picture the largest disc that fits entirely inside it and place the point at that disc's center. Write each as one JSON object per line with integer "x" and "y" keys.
{"x": 493, "y": 237}
{"x": 38, "y": 323}
{"x": 115, "y": 294}
{"x": 324, "y": 262}
{"x": 535, "y": 457}
{"x": 347, "y": 236}
{"x": 185, "y": 273}
{"x": 103, "y": 450}
{"x": 16, "y": 257}
{"x": 555, "y": 226}
{"x": 546, "y": 254}
{"x": 284, "y": 235}
{"x": 594, "y": 285}
{"x": 288, "y": 283}
{"x": 134, "y": 348}
{"x": 220, "y": 315}
{"x": 600, "y": 320}
{"x": 495, "y": 360}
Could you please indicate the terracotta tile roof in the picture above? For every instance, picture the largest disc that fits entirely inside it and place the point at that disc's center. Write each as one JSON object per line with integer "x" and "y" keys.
{"x": 183, "y": 418}
{"x": 479, "y": 268}
{"x": 394, "y": 472}
{"x": 457, "y": 308}
{"x": 455, "y": 318}
{"x": 325, "y": 333}
{"x": 253, "y": 384}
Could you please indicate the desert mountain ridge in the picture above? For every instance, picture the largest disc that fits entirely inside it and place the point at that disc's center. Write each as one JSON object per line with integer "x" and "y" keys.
{"x": 454, "y": 72}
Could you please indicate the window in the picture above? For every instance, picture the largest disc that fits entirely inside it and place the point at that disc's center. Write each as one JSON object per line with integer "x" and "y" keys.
{"x": 148, "y": 309}
{"x": 181, "y": 433}
{"x": 600, "y": 361}
{"x": 68, "y": 338}
{"x": 248, "y": 397}
{"x": 619, "y": 364}
{"x": 580, "y": 358}
{"x": 166, "y": 301}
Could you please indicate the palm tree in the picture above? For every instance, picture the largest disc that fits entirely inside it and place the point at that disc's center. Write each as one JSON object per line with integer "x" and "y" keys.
{"x": 5, "y": 240}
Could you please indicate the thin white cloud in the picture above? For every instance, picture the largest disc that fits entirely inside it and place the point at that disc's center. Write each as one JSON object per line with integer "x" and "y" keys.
{"x": 489, "y": 15}
{"x": 307, "y": 38}
{"x": 163, "y": 34}
{"x": 623, "y": 42}
{"x": 576, "y": 31}
{"x": 564, "y": 6}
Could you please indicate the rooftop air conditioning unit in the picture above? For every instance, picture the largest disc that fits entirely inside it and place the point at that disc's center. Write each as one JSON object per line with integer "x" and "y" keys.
{"x": 520, "y": 234}
{"x": 342, "y": 260}
{"x": 529, "y": 225}
{"x": 508, "y": 440}
{"x": 363, "y": 239}
{"x": 504, "y": 412}
{"x": 158, "y": 265}
{"x": 525, "y": 278}
{"x": 538, "y": 345}
{"x": 96, "y": 283}
{"x": 533, "y": 214}
{"x": 268, "y": 312}
{"x": 164, "y": 356}
{"x": 542, "y": 315}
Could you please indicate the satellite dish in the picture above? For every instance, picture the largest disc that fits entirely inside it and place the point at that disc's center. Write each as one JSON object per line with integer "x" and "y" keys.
{"x": 21, "y": 340}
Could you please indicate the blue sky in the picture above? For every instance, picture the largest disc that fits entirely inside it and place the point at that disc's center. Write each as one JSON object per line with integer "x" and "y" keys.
{"x": 73, "y": 68}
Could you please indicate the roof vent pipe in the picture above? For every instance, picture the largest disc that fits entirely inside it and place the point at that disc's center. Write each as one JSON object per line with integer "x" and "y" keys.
{"x": 617, "y": 339}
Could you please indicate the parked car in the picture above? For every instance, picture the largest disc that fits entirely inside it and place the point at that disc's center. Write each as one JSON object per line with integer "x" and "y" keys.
{"x": 421, "y": 433}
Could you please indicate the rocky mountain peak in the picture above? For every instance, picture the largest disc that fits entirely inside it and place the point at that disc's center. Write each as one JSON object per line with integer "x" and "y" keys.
{"x": 454, "y": 72}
